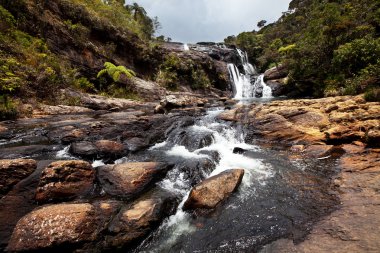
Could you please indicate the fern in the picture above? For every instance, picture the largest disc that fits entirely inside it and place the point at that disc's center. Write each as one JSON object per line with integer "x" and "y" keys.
{"x": 115, "y": 72}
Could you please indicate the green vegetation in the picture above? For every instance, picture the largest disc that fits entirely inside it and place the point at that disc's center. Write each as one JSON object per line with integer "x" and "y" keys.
{"x": 174, "y": 71}
{"x": 31, "y": 72}
{"x": 115, "y": 72}
{"x": 131, "y": 17}
{"x": 114, "y": 81}
{"x": 27, "y": 66}
{"x": 329, "y": 47}
{"x": 8, "y": 109}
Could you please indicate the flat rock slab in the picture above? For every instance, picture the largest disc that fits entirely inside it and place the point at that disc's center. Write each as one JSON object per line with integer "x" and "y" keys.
{"x": 13, "y": 171}
{"x": 332, "y": 120}
{"x": 64, "y": 180}
{"x": 209, "y": 193}
{"x": 128, "y": 179}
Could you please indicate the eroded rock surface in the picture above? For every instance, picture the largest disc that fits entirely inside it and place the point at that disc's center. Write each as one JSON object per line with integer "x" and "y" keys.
{"x": 61, "y": 226}
{"x": 64, "y": 180}
{"x": 332, "y": 120}
{"x": 209, "y": 193}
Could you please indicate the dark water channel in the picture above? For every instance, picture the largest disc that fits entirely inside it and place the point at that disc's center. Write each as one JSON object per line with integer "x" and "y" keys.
{"x": 280, "y": 197}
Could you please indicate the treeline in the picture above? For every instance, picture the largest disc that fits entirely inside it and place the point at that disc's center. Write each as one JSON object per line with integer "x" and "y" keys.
{"x": 330, "y": 47}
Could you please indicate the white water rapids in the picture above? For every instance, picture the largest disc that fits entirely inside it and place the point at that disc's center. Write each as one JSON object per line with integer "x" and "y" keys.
{"x": 224, "y": 139}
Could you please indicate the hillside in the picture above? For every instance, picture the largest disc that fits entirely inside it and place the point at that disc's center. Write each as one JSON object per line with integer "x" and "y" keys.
{"x": 47, "y": 46}
{"x": 328, "y": 47}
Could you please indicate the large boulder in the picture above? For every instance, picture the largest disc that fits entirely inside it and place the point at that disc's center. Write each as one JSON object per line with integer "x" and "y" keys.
{"x": 137, "y": 219}
{"x": 63, "y": 226}
{"x": 209, "y": 193}
{"x": 64, "y": 180}
{"x": 106, "y": 149}
{"x": 73, "y": 136}
{"x": 84, "y": 149}
{"x": 136, "y": 144}
{"x": 275, "y": 73}
{"x": 278, "y": 87}
{"x": 128, "y": 179}
{"x": 110, "y": 149}
{"x": 13, "y": 171}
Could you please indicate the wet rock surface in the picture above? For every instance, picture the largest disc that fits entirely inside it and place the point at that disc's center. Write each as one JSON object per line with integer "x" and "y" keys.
{"x": 320, "y": 129}
{"x": 210, "y": 192}
{"x": 65, "y": 180}
{"x": 299, "y": 201}
{"x": 351, "y": 227}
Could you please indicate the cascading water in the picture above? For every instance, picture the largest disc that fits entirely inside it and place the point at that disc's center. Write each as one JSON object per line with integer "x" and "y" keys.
{"x": 186, "y": 47}
{"x": 262, "y": 210}
{"x": 248, "y": 84}
{"x": 223, "y": 139}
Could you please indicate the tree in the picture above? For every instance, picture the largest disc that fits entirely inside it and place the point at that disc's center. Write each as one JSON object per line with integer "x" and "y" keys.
{"x": 137, "y": 11}
{"x": 261, "y": 23}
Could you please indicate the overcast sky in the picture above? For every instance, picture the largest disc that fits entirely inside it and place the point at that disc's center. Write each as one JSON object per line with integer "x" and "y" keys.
{"x": 210, "y": 20}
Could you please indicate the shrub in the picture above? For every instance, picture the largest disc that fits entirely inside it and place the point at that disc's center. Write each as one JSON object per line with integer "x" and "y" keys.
{"x": 85, "y": 85}
{"x": 115, "y": 72}
{"x": 200, "y": 79}
{"x": 167, "y": 75}
{"x": 8, "y": 110}
{"x": 372, "y": 95}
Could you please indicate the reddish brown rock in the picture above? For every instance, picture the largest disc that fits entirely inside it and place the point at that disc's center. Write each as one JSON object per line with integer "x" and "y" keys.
{"x": 139, "y": 218}
{"x": 128, "y": 179}
{"x": 13, "y": 171}
{"x": 63, "y": 225}
{"x": 64, "y": 180}
{"x": 209, "y": 193}
{"x": 109, "y": 148}
{"x": 52, "y": 226}
{"x": 332, "y": 120}
{"x": 74, "y": 135}
{"x": 352, "y": 227}
{"x": 319, "y": 151}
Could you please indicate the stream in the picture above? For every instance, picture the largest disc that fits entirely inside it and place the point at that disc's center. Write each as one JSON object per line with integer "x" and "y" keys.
{"x": 278, "y": 198}
{"x": 281, "y": 196}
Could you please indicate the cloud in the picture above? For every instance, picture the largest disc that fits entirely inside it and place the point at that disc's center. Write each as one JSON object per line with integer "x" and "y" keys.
{"x": 211, "y": 20}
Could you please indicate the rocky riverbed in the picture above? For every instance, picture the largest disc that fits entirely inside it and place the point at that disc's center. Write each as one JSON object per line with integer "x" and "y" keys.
{"x": 62, "y": 190}
{"x": 347, "y": 127}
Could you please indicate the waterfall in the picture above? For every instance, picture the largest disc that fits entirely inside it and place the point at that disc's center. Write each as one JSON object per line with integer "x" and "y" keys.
{"x": 248, "y": 84}
{"x": 186, "y": 47}
{"x": 260, "y": 88}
